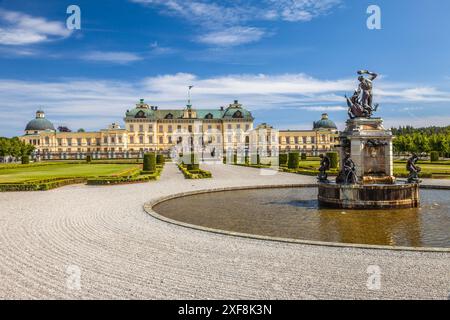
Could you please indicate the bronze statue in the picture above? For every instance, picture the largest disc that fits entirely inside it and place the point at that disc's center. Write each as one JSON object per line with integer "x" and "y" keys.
{"x": 361, "y": 103}
{"x": 325, "y": 164}
{"x": 348, "y": 173}
{"x": 413, "y": 169}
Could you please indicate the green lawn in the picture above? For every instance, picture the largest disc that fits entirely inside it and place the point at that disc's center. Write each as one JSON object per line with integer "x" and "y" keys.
{"x": 19, "y": 174}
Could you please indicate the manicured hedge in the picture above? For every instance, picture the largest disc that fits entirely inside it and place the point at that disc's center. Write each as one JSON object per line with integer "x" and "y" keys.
{"x": 194, "y": 174}
{"x": 282, "y": 159}
{"x": 40, "y": 185}
{"x": 303, "y": 156}
{"x": 160, "y": 159}
{"x": 293, "y": 160}
{"x": 26, "y": 159}
{"x": 123, "y": 180}
{"x": 434, "y": 156}
{"x": 334, "y": 159}
{"x": 193, "y": 162}
{"x": 149, "y": 162}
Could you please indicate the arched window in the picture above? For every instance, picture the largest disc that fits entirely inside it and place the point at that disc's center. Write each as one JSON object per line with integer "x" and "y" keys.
{"x": 140, "y": 115}
{"x": 237, "y": 114}
{"x": 209, "y": 116}
{"x": 169, "y": 116}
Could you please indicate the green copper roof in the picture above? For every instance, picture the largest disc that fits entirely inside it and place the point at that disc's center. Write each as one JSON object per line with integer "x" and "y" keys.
{"x": 39, "y": 124}
{"x": 324, "y": 123}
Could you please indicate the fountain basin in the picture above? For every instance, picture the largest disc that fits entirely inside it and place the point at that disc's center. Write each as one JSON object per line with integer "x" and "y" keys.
{"x": 373, "y": 196}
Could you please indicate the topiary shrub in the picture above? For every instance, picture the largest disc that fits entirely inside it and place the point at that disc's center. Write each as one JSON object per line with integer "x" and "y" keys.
{"x": 434, "y": 156}
{"x": 293, "y": 160}
{"x": 282, "y": 159}
{"x": 303, "y": 157}
{"x": 334, "y": 159}
{"x": 149, "y": 162}
{"x": 26, "y": 159}
{"x": 160, "y": 159}
{"x": 235, "y": 158}
{"x": 88, "y": 158}
{"x": 258, "y": 159}
{"x": 193, "y": 165}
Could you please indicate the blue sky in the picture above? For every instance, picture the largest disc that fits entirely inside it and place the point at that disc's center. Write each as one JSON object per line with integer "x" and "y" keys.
{"x": 285, "y": 60}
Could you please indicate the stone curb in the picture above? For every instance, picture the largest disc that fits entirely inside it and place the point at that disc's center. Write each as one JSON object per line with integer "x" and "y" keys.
{"x": 148, "y": 208}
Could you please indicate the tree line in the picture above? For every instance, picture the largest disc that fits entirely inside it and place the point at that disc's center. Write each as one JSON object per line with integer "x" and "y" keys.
{"x": 14, "y": 148}
{"x": 422, "y": 140}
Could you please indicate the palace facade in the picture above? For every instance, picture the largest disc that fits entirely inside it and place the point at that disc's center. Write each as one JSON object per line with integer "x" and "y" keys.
{"x": 212, "y": 132}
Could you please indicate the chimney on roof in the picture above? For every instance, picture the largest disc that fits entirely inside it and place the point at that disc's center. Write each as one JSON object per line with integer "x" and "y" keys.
{"x": 221, "y": 108}
{"x": 156, "y": 107}
{"x": 236, "y": 101}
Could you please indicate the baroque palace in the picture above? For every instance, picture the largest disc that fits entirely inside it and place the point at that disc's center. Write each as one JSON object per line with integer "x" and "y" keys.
{"x": 213, "y": 132}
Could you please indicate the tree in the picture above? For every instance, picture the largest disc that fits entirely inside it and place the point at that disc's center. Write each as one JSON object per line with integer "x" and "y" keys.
{"x": 64, "y": 129}
{"x": 81, "y": 130}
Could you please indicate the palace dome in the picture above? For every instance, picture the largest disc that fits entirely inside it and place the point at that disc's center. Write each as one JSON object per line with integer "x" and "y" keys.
{"x": 324, "y": 123}
{"x": 236, "y": 111}
{"x": 40, "y": 123}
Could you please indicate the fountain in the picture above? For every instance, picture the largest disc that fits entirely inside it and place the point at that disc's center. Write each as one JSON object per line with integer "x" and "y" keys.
{"x": 366, "y": 179}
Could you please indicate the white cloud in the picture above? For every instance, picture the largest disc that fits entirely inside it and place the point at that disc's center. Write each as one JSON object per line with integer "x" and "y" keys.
{"x": 99, "y": 102}
{"x": 111, "y": 56}
{"x": 17, "y": 29}
{"x": 227, "y": 22}
{"x": 232, "y": 36}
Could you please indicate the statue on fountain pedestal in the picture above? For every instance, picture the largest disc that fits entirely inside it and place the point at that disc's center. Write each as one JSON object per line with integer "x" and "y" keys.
{"x": 413, "y": 169}
{"x": 325, "y": 164}
{"x": 348, "y": 173}
{"x": 360, "y": 105}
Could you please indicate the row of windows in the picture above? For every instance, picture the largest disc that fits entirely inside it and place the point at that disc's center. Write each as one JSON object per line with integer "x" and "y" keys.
{"x": 304, "y": 140}
{"x": 179, "y": 127}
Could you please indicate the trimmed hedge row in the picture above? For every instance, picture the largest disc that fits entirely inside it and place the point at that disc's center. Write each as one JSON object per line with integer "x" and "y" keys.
{"x": 194, "y": 174}
{"x": 40, "y": 185}
{"x": 123, "y": 180}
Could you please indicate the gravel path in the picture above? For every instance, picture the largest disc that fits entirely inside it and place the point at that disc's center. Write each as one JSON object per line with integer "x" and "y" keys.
{"x": 123, "y": 253}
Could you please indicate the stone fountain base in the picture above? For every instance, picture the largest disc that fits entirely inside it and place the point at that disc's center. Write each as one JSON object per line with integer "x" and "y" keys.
{"x": 373, "y": 196}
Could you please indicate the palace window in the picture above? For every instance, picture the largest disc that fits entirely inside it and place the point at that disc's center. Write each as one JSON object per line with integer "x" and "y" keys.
{"x": 120, "y": 139}
{"x": 169, "y": 139}
{"x": 79, "y": 141}
{"x": 150, "y": 127}
{"x": 141, "y": 128}
{"x": 150, "y": 139}
{"x": 237, "y": 114}
{"x": 296, "y": 140}
{"x": 113, "y": 140}
{"x": 131, "y": 127}
{"x": 97, "y": 141}
{"x": 140, "y": 115}
{"x": 288, "y": 140}
{"x": 209, "y": 116}
{"x": 170, "y": 128}
{"x": 89, "y": 141}
{"x": 69, "y": 142}
{"x": 229, "y": 127}
{"x": 131, "y": 139}
{"x": 161, "y": 141}
{"x": 304, "y": 140}
{"x": 105, "y": 140}
{"x": 141, "y": 139}
{"x": 47, "y": 140}
{"x": 247, "y": 127}
{"x": 161, "y": 129}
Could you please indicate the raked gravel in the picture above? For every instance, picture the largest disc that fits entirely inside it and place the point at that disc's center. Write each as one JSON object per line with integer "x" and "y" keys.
{"x": 124, "y": 253}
